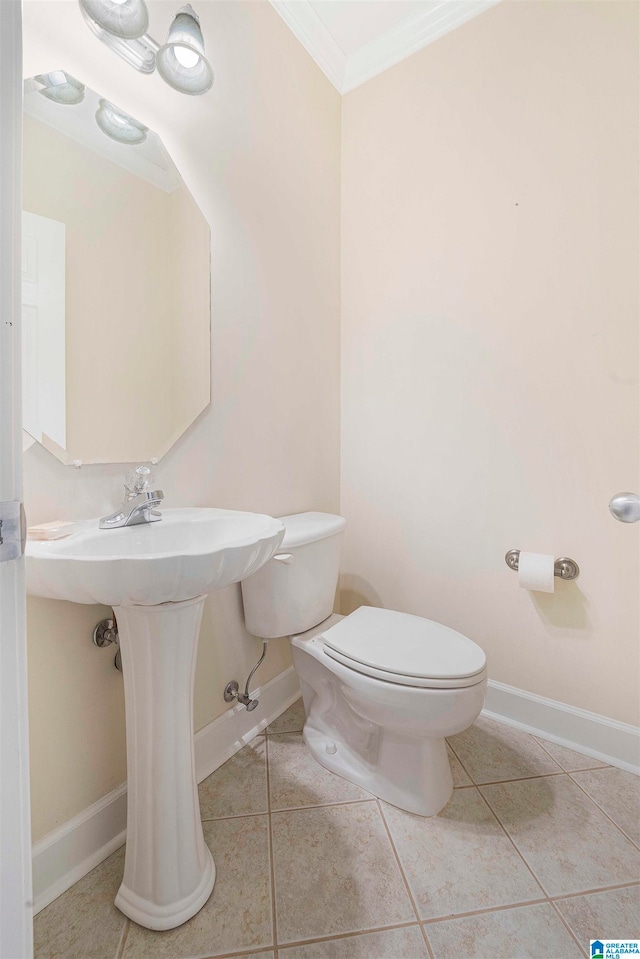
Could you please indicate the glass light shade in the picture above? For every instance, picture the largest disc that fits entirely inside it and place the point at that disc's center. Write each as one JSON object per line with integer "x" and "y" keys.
{"x": 140, "y": 54}
{"x": 181, "y": 61}
{"x": 127, "y": 19}
{"x": 119, "y": 125}
{"x": 61, "y": 87}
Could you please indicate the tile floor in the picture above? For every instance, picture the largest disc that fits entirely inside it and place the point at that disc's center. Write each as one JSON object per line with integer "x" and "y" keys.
{"x": 536, "y": 853}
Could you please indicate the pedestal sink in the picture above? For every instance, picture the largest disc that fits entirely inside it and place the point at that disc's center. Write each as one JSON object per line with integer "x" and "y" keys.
{"x": 157, "y": 576}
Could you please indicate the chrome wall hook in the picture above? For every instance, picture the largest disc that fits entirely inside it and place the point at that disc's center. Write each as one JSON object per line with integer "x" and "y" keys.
{"x": 563, "y": 568}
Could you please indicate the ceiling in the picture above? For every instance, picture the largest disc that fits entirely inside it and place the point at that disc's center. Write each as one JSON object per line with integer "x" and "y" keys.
{"x": 354, "y": 40}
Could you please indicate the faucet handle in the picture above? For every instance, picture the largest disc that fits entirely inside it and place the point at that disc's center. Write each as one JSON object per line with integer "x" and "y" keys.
{"x": 137, "y": 481}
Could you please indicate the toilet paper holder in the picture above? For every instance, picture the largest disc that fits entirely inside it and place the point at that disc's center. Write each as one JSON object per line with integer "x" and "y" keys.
{"x": 564, "y": 567}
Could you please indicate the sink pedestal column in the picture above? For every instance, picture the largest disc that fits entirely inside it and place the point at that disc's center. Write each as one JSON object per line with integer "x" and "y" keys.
{"x": 168, "y": 872}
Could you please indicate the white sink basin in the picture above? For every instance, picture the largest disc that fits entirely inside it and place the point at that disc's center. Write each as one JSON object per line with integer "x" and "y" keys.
{"x": 156, "y": 577}
{"x": 188, "y": 553}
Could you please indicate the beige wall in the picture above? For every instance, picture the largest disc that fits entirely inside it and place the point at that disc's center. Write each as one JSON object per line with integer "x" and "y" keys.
{"x": 490, "y": 340}
{"x": 261, "y": 156}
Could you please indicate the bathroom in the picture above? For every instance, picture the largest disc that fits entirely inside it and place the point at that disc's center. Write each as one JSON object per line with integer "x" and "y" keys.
{"x": 424, "y": 318}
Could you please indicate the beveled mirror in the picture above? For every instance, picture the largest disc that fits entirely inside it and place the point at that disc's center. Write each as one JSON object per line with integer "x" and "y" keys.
{"x": 116, "y": 282}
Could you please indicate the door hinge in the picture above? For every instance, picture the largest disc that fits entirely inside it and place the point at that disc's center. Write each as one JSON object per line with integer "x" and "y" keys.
{"x": 13, "y": 530}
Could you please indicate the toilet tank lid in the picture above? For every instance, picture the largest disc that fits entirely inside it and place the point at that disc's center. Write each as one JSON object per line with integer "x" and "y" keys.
{"x": 303, "y": 528}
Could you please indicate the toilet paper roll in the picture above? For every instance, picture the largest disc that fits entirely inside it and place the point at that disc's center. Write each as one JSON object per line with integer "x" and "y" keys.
{"x": 535, "y": 571}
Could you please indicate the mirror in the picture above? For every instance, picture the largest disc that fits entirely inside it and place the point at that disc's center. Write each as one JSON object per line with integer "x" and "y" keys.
{"x": 116, "y": 282}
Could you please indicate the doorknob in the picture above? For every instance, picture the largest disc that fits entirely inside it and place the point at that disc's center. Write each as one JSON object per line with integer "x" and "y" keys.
{"x": 625, "y": 507}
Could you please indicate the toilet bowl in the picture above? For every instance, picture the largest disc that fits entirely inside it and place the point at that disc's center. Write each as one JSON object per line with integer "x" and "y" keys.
{"x": 381, "y": 689}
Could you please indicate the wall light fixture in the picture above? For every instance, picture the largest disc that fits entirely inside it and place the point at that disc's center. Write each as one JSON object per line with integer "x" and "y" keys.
{"x": 128, "y": 19}
{"x": 61, "y": 87}
{"x": 181, "y": 61}
{"x": 122, "y": 26}
{"x": 119, "y": 125}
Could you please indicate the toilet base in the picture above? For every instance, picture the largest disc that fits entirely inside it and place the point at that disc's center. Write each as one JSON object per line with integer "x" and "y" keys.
{"x": 388, "y": 739}
{"x": 413, "y": 774}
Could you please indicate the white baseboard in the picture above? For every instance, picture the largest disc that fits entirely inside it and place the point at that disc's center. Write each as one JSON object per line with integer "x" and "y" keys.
{"x": 74, "y": 849}
{"x": 585, "y": 732}
{"x": 70, "y": 852}
{"x": 218, "y": 741}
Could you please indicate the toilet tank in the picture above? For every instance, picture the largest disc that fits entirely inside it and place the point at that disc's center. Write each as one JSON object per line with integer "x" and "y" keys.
{"x": 295, "y": 590}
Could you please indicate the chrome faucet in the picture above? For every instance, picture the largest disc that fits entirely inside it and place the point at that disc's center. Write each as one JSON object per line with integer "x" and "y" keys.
{"x": 139, "y": 501}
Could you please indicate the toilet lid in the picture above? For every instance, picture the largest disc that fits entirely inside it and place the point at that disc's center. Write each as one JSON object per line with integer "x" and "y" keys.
{"x": 402, "y": 648}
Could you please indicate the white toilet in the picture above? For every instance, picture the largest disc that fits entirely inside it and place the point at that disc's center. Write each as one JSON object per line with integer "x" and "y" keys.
{"x": 381, "y": 689}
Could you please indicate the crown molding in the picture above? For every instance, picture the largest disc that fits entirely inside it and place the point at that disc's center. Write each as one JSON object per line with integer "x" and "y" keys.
{"x": 407, "y": 38}
{"x": 347, "y": 72}
{"x": 307, "y": 26}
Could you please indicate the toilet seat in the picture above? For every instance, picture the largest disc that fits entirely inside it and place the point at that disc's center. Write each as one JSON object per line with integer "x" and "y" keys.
{"x": 403, "y": 649}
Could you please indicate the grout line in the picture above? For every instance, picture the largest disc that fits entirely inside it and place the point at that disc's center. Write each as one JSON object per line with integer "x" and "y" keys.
{"x": 591, "y": 892}
{"x": 473, "y": 782}
{"x": 504, "y": 829}
{"x": 123, "y": 939}
{"x": 495, "y": 782}
{"x": 427, "y": 942}
{"x": 588, "y": 769}
{"x": 513, "y": 779}
{"x": 323, "y": 805}
{"x": 330, "y": 805}
{"x": 347, "y": 935}
{"x": 246, "y": 815}
{"x": 564, "y": 922}
{"x": 346, "y": 802}
{"x": 583, "y": 769}
{"x": 274, "y": 917}
{"x": 488, "y": 909}
{"x": 527, "y": 902}
{"x": 552, "y": 758}
{"x": 520, "y": 779}
{"x": 245, "y": 952}
{"x": 284, "y": 732}
{"x": 404, "y": 877}
{"x": 603, "y": 811}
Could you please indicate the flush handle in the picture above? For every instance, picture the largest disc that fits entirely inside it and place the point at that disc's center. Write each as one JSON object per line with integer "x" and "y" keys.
{"x": 287, "y": 558}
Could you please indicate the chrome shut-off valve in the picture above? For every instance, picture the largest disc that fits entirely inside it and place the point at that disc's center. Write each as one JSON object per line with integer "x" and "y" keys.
{"x": 232, "y": 689}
